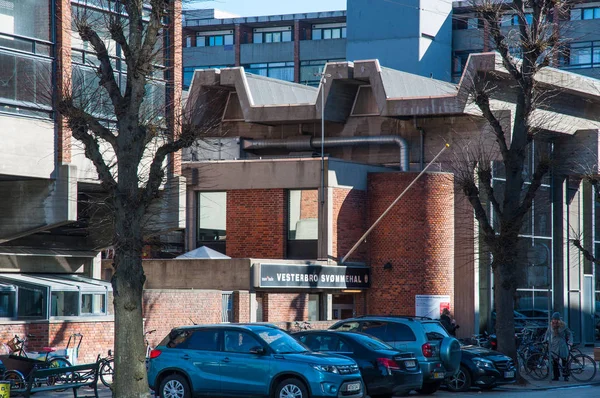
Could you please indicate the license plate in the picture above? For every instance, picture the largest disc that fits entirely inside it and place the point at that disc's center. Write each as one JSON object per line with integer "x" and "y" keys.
{"x": 353, "y": 387}
{"x": 437, "y": 375}
{"x": 509, "y": 375}
{"x": 410, "y": 364}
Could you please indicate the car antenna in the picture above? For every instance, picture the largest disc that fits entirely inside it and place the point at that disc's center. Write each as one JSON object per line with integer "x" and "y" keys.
{"x": 191, "y": 320}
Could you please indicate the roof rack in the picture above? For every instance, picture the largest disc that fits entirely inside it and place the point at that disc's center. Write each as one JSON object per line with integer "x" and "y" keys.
{"x": 412, "y": 317}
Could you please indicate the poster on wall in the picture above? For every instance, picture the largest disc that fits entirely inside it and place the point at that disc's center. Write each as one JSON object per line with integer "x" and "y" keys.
{"x": 431, "y": 306}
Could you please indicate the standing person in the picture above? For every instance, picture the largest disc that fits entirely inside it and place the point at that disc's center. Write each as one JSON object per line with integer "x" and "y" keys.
{"x": 448, "y": 322}
{"x": 559, "y": 338}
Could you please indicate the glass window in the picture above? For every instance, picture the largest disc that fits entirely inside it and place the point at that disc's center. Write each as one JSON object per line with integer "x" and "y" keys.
{"x": 400, "y": 332}
{"x": 240, "y": 342}
{"x": 226, "y": 307}
{"x": 188, "y": 41}
{"x": 336, "y": 33}
{"x": 472, "y": 23}
{"x": 93, "y": 304}
{"x": 286, "y": 36}
{"x": 202, "y": 340}
{"x": 200, "y": 41}
{"x": 576, "y": 14}
{"x": 228, "y": 40}
{"x": 30, "y": 302}
{"x": 258, "y": 37}
{"x": 344, "y": 33}
{"x": 303, "y": 214}
{"x": 276, "y": 37}
{"x": 64, "y": 304}
{"x": 7, "y": 304}
{"x": 317, "y": 34}
{"x": 588, "y": 13}
{"x": 281, "y": 342}
{"x": 347, "y": 326}
{"x": 326, "y": 34}
{"x": 212, "y": 216}
{"x": 30, "y": 18}
{"x": 377, "y": 329}
{"x": 313, "y": 307}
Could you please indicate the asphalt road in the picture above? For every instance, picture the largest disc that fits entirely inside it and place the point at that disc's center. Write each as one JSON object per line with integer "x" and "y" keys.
{"x": 579, "y": 392}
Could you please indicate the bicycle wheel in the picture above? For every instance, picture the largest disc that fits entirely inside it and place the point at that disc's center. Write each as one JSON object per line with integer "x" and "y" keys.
{"x": 16, "y": 379}
{"x": 582, "y": 367}
{"x": 58, "y": 363}
{"x": 107, "y": 371}
{"x": 538, "y": 366}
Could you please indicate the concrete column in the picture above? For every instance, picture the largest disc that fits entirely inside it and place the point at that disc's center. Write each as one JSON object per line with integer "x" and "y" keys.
{"x": 327, "y": 306}
{"x": 241, "y": 306}
{"x": 253, "y": 306}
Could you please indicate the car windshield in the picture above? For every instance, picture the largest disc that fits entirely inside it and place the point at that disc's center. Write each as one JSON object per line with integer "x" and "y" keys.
{"x": 434, "y": 331}
{"x": 372, "y": 342}
{"x": 281, "y": 342}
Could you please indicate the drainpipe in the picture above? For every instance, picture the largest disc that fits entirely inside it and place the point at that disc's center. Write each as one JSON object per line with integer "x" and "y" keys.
{"x": 422, "y": 143}
{"x": 309, "y": 143}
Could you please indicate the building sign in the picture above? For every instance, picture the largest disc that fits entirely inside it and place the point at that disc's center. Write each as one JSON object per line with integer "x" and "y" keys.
{"x": 312, "y": 276}
{"x": 431, "y": 306}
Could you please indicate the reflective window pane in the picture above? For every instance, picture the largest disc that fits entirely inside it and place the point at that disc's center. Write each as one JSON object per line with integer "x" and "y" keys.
{"x": 64, "y": 304}
{"x": 31, "y": 302}
{"x": 212, "y": 216}
{"x": 303, "y": 214}
{"x": 317, "y": 34}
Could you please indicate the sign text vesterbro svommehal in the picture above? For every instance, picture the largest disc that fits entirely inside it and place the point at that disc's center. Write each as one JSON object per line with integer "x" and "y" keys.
{"x": 313, "y": 276}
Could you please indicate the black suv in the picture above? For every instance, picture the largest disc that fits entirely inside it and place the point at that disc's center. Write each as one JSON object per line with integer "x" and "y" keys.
{"x": 438, "y": 354}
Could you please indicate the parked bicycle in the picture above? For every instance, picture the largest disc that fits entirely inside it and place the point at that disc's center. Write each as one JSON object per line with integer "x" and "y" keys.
{"x": 106, "y": 368}
{"x": 579, "y": 366}
{"x": 302, "y": 325}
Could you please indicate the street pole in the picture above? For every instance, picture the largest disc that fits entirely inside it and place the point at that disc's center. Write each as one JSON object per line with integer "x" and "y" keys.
{"x": 322, "y": 220}
{"x": 362, "y": 238}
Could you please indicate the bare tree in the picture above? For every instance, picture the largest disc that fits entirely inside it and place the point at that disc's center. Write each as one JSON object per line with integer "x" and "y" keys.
{"x": 524, "y": 48}
{"x": 132, "y": 139}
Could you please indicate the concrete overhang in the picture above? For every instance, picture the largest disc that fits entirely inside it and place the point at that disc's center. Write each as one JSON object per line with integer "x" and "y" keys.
{"x": 397, "y": 94}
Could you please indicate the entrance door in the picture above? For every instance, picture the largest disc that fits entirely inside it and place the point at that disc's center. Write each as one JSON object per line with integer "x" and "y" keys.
{"x": 342, "y": 306}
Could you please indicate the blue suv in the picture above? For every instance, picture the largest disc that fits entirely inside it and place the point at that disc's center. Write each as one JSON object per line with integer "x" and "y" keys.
{"x": 250, "y": 360}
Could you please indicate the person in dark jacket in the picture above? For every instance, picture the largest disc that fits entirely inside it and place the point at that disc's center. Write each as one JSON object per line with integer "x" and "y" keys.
{"x": 559, "y": 338}
{"x": 448, "y": 322}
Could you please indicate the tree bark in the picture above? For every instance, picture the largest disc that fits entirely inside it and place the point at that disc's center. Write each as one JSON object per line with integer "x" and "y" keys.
{"x": 131, "y": 379}
{"x": 505, "y": 324}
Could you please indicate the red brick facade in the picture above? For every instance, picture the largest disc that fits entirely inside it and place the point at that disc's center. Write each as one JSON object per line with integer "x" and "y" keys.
{"x": 309, "y": 204}
{"x": 241, "y": 306}
{"x": 416, "y": 237}
{"x": 285, "y": 307}
{"x": 349, "y": 223}
{"x": 256, "y": 223}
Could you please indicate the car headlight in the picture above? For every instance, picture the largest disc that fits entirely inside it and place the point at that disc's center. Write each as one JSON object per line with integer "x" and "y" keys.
{"x": 483, "y": 363}
{"x": 326, "y": 368}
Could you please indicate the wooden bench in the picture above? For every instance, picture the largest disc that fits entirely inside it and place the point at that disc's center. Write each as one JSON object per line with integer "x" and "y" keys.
{"x": 65, "y": 378}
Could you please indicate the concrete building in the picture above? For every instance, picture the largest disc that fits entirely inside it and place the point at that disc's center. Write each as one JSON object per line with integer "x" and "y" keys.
{"x": 381, "y": 126}
{"x": 49, "y": 263}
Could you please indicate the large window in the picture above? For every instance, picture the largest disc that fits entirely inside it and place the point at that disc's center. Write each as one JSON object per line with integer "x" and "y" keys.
{"x": 584, "y": 54}
{"x": 276, "y": 70}
{"x": 212, "y": 220}
{"x": 535, "y": 238}
{"x": 330, "y": 31}
{"x": 25, "y": 57}
{"x": 64, "y": 303}
{"x": 31, "y": 302}
{"x": 272, "y": 35}
{"x": 310, "y": 70}
{"x": 578, "y": 14}
{"x": 303, "y": 223}
{"x": 214, "y": 40}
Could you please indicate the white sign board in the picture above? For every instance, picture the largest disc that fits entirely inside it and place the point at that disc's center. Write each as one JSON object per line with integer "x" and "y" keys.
{"x": 431, "y": 306}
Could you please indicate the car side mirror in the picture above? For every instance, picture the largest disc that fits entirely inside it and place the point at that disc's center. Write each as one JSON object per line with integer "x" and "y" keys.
{"x": 258, "y": 350}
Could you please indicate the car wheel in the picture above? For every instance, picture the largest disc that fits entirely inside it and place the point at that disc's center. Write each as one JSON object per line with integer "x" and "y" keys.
{"x": 291, "y": 388}
{"x": 175, "y": 386}
{"x": 459, "y": 381}
{"x": 429, "y": 388}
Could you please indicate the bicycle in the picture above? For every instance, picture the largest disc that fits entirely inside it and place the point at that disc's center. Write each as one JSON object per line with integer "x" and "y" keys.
{"x": 300, "y": 326}
{"x": 580, "y": 366}
{"x": 106, "y": 368}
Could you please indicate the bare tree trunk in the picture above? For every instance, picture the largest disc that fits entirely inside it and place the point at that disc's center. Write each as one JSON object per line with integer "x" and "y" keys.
{"x": 505, "y": 324}
{"x": 131, "y": 380}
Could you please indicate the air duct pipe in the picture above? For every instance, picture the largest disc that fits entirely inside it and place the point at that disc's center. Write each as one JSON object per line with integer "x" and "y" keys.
{"x": 310, "y": 143}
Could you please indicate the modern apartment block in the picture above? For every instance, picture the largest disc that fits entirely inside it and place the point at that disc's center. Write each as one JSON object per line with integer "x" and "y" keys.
{"x": 296, "y": 47}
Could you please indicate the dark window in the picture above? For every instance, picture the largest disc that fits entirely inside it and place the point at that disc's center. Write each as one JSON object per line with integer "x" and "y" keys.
{"x": 31, "y": 302}
{"x": 329, "y": 33}
{"x": 377, "y": 329}
{"x": 323, "y": 342}
{"x": 202, "y": 340}
{"x": 64, "y": 303}
{"x": 240, "y": 342}
{"x": 303, "y": 223}
{"x": 400, "y": 332}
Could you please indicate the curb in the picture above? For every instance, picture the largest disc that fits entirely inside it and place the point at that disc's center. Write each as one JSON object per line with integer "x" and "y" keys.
{"x": 546, "y": 388}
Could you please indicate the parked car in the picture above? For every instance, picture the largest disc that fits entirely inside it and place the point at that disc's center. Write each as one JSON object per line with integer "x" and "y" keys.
{"x": 438, "y": 354}
{"x": 386, "y": 372}
{"x": 483, "y": 368}
{"x": 248, "y": 361}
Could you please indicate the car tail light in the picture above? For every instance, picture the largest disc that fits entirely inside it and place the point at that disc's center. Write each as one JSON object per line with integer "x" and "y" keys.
{"x": 388, "y": 364}
{"x": 155, "y": 354}
{"x": 427, "y": 350}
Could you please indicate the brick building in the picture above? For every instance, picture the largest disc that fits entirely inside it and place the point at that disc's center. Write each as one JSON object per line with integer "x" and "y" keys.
{"x": 248, "y": 181}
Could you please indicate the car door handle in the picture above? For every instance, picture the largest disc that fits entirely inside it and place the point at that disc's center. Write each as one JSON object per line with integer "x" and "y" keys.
{"x": 185, "y": 356}
{"x": 226, "y": 359}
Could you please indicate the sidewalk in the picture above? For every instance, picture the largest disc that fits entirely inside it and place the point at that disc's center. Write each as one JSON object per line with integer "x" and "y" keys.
{"x": 548, "y": 384}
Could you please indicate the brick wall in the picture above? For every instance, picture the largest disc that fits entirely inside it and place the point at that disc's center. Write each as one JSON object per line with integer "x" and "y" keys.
{"x": 309, "y": 204}
{"x": 349, "y": 223}
{"x": 285, "y": 307}
{"x": 256, "y": 223}
{"x": 416, "y": 237}
{"x": 166, "y": 309}
{"x": 241, "y": 306}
